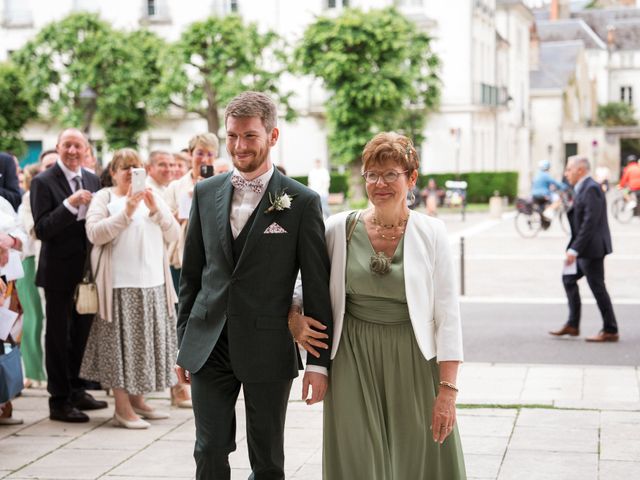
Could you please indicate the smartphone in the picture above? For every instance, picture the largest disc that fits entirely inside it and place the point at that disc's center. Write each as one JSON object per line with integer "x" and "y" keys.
{"x": 206, "y": 171}
{"x": 138, "y": 179}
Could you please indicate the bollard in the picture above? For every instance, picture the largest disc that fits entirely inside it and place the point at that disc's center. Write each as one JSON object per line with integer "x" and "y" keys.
{"x": 461, "y": 266}
{"x": 495, "y": 205}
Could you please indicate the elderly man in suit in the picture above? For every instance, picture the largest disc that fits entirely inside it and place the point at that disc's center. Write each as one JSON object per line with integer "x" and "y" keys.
{"x": 59, "y": 199}
{"x": 590, "y": 242}
{"x": 249, "y": 233}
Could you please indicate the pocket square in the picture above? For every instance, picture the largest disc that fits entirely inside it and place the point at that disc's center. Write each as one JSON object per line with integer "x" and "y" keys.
{"x": 275, "y": 228}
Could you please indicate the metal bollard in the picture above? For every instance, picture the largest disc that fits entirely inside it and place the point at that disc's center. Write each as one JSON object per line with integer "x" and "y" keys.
{"x": 461, "y": 266}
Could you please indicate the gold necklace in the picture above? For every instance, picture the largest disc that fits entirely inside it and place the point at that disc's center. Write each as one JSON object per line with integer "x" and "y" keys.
{"x": 380, "y": 227}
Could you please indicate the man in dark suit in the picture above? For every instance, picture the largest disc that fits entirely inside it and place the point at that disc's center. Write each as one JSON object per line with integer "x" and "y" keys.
{"x": 249, "y": 233}
{"x": 59, "y": 199}
{"x": 9, "y": 185}
{"x": 590, "y": 242}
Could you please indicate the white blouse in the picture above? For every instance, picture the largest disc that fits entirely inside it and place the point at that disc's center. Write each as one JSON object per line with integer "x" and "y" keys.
{"x": 138, "y": 250}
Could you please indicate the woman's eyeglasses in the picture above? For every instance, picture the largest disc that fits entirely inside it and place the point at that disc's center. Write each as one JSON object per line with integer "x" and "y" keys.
{"x": 387, "y": 177}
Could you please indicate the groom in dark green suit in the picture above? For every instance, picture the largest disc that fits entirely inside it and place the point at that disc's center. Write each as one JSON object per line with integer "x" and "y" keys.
{"x": 249, "y": 233}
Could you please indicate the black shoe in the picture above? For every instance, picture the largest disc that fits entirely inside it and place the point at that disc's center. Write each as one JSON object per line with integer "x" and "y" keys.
{"x": 87, "y": 402}
{"x": 68, "y": 414}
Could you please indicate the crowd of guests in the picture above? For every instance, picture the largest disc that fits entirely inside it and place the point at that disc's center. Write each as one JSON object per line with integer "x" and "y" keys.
{"x": 67, "y": 216}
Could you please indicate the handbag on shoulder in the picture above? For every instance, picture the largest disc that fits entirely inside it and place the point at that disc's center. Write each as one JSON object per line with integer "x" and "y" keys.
{"x": 86, "y": 295}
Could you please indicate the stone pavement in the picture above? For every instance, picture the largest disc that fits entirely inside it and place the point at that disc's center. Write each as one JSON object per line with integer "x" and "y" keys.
{"x": 517, "y": 422}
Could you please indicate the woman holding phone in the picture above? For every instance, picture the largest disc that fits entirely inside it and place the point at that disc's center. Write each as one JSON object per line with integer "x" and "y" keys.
{"x": 132, "y": 345}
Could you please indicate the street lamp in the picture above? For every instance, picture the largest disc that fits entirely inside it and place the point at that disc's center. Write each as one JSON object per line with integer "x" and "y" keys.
{"x": 88, "y": 98}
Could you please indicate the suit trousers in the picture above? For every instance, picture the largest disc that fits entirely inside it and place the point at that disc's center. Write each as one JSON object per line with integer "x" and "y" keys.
{"x": 214, "y": 392}
{"x": 65, "y": 338}
{"x": 593, "y": 269}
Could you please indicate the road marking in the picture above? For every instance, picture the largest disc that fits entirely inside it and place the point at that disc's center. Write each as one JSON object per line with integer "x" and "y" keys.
{"x": 541, "y": 300}
{"x": 535, "y": 256}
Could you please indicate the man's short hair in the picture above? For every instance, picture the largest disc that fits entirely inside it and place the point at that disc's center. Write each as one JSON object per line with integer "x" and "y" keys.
{"x": 208, "y": 140}
{"x": 76, "y": 130}
{"x": 153, "y": 156}
{"x": 581, "y": 161}
{"x": 253, "y": 104}
{"x": 47, "y": 152}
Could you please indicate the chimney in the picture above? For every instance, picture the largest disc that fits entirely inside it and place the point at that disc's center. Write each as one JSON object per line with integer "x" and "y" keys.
{"x": 554, "y": 10}
{"x": 534, "y": 48}
{"x": 611, "y": 37}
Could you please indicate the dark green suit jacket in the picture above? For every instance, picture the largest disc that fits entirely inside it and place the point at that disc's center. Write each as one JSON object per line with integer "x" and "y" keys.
{"x": 252, "y": 296}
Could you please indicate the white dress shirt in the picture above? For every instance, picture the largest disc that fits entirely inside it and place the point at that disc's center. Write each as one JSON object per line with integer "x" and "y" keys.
{"x": 244, "y": 202}
{"x": 81, "y": 211}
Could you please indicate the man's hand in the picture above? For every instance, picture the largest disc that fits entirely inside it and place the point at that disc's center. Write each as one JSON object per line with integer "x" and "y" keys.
{"x": 80, "y": 197}
{"x": 184, "y": 376}
{"x": 318, "y": 383}
{"x": 570, "y": 258}
{"x": 305, "y": 331}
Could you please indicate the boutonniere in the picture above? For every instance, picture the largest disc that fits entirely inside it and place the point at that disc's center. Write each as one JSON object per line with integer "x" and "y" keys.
{"x": 281, "y": 201}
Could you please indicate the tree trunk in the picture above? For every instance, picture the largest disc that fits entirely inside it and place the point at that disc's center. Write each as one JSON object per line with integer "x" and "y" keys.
{"x": 213, "y": 122}
{"x": 356, "y": 182}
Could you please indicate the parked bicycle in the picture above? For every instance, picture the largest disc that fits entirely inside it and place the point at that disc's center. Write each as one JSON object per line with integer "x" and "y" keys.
{"x": 625, "y": 207}
{"x": 530, "y": 218}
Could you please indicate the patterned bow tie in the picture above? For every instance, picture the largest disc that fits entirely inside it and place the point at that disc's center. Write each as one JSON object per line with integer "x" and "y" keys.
{"x": 241, "y": 184}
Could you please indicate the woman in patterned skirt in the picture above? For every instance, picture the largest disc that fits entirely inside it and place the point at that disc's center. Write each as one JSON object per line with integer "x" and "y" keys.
{"x": 389, "y": 411}
{"x": 132, "y": 345}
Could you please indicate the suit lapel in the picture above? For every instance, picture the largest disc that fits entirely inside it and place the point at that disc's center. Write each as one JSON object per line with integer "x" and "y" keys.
{"x": 223, "y": 205}
{"x": 62, "y": 180}
{"x": 262, "y": 220}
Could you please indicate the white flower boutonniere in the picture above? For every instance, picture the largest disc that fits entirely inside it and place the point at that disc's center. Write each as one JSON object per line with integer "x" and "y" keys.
{"x": 281, "y": 201}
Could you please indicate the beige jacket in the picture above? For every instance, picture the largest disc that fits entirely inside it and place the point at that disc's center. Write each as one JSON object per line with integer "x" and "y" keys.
{"x": 172, "y": 195}
{"x": 103, "y": 228}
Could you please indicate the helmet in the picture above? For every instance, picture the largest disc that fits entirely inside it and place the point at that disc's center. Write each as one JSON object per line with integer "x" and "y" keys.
{"x": 544, "y": 165}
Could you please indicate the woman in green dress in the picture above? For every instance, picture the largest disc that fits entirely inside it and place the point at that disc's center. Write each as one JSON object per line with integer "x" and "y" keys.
{"x": 389, "y": 412}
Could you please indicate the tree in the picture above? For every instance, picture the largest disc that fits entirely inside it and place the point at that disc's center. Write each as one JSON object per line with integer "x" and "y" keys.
{"x": 615, "y": 114}
{"x": 380, "y": 71}
{"x": 215, "y": 60}
{"x": 81, "y": 69}
{"x": 16, "y": 108}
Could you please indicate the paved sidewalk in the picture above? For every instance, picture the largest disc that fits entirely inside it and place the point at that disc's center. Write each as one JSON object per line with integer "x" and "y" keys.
{"x": 517, "y": 422}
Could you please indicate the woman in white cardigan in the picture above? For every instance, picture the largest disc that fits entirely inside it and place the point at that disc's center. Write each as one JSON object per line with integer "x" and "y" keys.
{"x": 132, "y": 345}
{"x": 389, "y": 412}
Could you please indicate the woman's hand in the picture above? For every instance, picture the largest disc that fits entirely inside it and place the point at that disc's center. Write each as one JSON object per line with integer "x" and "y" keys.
{"x": 305, "y": 331}
{"x": 133, "y": 200}
{"x": 150, "y": 201}
{"x": 443, "y": 417}
{"x": 4, "y": 256}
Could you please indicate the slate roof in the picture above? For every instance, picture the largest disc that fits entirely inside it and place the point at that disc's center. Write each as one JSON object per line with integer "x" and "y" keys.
{"x": 626, "y": 22}
{"x": 567, "y": 30}
{"x": 557, "y": 64}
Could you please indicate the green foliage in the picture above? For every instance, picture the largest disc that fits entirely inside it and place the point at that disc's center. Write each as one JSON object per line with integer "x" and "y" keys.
{"x": 380, "y": 71}
{"x": 16, "y": 108}
{"x": 83, "y": 52}
{"x": 480, "y": 185}
{"x": 339, "y": 182}
{"x": 615, "y": 114}
{"x": 215, "y": 60}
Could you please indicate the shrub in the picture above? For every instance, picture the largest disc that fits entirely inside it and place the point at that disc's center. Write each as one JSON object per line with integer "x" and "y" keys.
{"x": 480, "y": 185}
{"x": 339, "y": 183}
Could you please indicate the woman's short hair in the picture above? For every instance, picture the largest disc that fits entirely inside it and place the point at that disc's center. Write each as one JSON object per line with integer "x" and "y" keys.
{"x": 391, "y": 146}
{"x": 29, "y": 172}
{"x": 208, "y": 140}
{"x": 253, "y": 104}
{"x": 125, "y": 158}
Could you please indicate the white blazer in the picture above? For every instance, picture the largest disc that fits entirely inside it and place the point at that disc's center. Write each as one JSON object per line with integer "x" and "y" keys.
{"x": 429, "y": 284}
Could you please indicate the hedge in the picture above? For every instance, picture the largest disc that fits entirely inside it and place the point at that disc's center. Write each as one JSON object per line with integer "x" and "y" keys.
{"x": 480, "y": 185}
{"x": 339, "y": 183}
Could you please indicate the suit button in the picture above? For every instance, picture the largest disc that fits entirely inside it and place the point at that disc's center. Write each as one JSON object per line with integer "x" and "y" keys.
{"x": 233, "y": 281}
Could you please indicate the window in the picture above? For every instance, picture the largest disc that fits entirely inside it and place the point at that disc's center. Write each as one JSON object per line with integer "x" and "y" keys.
{"x": 626, "y": 95}
{"x": 17, "y": 14}
{"x": 337, "y": 3}
{"x": 151, "y": 8}
{"x": 409, "y": 3}
{"x": 225, "y": 7}
{"x": 233, "y": 6}
{"x": 155, "y": 11}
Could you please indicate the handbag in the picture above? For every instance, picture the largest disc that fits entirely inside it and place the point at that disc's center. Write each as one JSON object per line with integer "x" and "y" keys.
{"x": 86, "y": 294}
{"x": 11, "y": 381}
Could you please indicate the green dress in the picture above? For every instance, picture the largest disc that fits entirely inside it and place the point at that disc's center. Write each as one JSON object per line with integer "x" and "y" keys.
{"x": 377, "y": 411}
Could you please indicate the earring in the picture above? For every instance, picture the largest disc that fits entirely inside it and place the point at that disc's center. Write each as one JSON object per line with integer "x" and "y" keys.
{"x": 412, "y": 197}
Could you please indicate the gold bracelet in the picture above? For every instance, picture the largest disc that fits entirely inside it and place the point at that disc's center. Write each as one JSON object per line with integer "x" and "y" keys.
{"x": 449, "y": 385}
